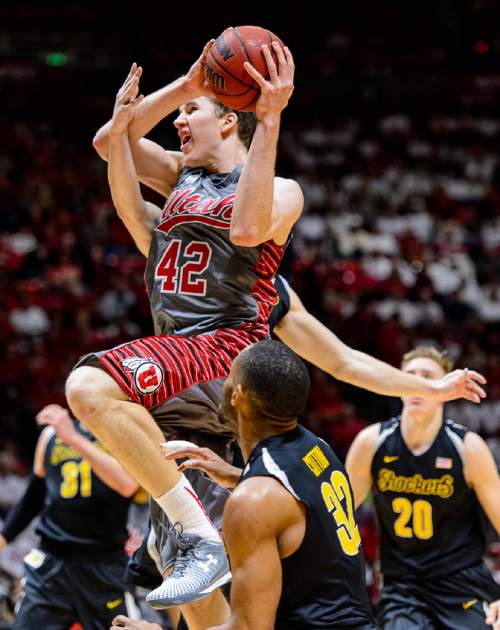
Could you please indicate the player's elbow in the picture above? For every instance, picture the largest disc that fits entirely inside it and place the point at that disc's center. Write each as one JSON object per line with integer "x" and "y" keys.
{"x": 343, "y": 364}
{"x": 101, "y": 144}
{"x": 245, "y": 237}
{"x": 127, "y": 487}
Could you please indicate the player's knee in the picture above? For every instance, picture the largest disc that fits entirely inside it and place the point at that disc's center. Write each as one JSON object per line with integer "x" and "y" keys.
{"x": 86, "y": 393}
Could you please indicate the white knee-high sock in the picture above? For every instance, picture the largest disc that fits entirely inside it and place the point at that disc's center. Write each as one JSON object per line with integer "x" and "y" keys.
{"x": 182, "y": 505}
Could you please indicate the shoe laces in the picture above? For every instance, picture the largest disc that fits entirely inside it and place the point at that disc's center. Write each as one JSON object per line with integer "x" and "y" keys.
{"x": 182, "y": 541}
{"x": 186, "y": 553}
{"x": 182, "y": 562}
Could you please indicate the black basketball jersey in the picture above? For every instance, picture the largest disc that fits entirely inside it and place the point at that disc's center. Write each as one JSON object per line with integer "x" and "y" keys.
{"x": 323, "y": 581}
{"x": 81, "y": 513}
{"x": 429, "y": 517}
{"x": 197, "y": 279}
{"x": 282, "y": 305}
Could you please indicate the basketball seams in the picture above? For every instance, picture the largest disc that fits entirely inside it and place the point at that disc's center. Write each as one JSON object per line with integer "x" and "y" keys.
{"x": 243, "y": 107}
{"x": 229, "y": 73}
{"x": 242, "y": 44}
{"x": 240, "y": 108}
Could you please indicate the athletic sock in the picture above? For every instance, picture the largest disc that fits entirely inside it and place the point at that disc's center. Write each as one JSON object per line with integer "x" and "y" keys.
{"x": 182, "y": 505}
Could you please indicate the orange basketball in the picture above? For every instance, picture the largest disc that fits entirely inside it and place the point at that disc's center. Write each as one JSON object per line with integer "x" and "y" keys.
{"x": 229, "y": 82}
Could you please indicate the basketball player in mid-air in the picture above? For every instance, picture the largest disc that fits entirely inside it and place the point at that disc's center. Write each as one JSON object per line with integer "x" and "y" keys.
{"x": 212, "y": 255}
{"x": 430, "y": 476}
{"x": 82, "y": 495}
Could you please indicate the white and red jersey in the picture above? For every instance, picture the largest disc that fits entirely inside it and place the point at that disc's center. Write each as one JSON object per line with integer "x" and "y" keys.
{"x": 197, "y": 279}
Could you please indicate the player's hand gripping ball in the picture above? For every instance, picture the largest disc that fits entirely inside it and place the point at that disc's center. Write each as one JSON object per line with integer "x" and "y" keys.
{"x": 226, "y": 76}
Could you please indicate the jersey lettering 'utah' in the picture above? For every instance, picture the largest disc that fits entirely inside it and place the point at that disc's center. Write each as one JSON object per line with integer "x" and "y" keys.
{"x": 197, "y": 279}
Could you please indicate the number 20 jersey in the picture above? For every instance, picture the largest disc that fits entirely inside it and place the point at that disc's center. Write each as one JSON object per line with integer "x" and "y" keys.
{"x": 323, "y": 580}
{"x": 429, "y": 517}
{"x": 197, "y": 279}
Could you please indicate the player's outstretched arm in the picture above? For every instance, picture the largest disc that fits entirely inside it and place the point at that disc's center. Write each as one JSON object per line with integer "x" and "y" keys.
{"x": 139, "y": 216}
{"x": 253, "y": 520}
{"x": 267, "y": 207}
{"x": 311, "y": 340}
{"x": 481, "y": 474}
{"x": 358, "y": 462}
{"x": 157, "y": 168}
{"x": 103, "y": 465}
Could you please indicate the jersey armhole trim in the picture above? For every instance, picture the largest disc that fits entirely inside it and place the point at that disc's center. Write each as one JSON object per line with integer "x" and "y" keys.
{"x": 383, "y": 435}
{"x": 457, "y": 443}
{"x": 275, "y": 471}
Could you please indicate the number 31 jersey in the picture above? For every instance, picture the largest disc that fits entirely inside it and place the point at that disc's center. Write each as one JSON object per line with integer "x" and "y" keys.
{"x": 81, "y": 513}
{"x": 323, "y": 581}
{"x": 429, "y": 517}
{"x": 197, "y": 279}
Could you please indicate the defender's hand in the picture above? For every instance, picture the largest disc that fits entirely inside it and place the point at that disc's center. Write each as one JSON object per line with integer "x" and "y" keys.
{"x": 126, "y": 101}
{"x": 493, "y": 618}
{"x": 210, "y": 463}
{"x": 277, "y": 90}
{"x": 57, "y": 417}
{"x": 132, "y": 624}
{"x": 195, "y": 80}
{"x": 461, "y": 384}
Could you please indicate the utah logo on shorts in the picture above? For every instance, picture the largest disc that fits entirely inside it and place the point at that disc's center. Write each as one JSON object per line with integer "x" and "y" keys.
{"x": 148, "y": 375}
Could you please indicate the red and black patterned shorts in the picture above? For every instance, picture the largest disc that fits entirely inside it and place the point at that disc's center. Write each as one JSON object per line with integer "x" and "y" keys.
{"x": 153, "y": 369}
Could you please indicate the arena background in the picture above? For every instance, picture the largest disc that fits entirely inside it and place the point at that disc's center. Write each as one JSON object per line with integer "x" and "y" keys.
{"x": 393, "y": 131}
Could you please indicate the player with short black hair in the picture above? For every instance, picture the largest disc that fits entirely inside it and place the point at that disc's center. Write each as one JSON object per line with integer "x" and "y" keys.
{"x": 289, "y": 525}
{"x": 277, "y": 383}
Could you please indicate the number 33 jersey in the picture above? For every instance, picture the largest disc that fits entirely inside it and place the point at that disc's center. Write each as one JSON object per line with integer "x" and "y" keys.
{"x": 429, "y": 517}
{"x": 323, "y": 581}
{"x": 197, "y": 279}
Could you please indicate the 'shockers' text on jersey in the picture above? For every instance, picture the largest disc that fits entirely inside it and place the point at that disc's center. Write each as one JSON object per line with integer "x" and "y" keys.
{"x": 388, "y": 481}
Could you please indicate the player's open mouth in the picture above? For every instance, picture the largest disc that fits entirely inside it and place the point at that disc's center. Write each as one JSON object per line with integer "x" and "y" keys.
{"x": 185, "y": 141}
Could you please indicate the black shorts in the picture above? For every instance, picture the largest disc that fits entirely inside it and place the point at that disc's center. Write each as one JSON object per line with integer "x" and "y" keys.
{"x": 453, "y": 602}
{"x": 88, "y": 589}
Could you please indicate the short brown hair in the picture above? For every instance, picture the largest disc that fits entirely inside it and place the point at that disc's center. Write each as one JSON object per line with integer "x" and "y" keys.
{"x": 429, "y": 352}
{"x": 247, "y": 121}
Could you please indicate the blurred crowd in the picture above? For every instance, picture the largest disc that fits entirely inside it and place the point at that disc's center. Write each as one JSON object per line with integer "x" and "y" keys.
{"x": 400, "y": 243}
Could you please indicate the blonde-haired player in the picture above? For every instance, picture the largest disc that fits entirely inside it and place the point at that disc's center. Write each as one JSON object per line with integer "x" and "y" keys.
{"x": 429, "y": 476}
